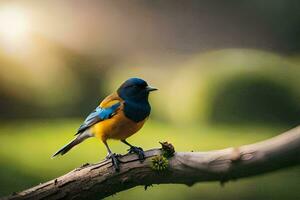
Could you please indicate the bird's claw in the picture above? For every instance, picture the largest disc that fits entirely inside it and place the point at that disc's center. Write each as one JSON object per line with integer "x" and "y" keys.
{"x": 139, "y": 151}
{"x": 114, "y": 160}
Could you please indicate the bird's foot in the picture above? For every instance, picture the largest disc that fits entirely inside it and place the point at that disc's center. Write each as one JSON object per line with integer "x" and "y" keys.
{"x": 114, "y": 160}
{"x": 139, "y": 151}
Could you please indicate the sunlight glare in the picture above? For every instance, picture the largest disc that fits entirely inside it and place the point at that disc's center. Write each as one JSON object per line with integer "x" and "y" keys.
{"x": 14, "y": 25}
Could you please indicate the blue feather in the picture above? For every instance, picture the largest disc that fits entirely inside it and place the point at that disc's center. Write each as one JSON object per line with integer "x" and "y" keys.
{"x": 99, "y": 114}
{"x": 137, "y": 111}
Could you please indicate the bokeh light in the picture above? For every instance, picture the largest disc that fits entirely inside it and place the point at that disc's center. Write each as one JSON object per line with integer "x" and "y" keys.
{"x": 14, "y": 26}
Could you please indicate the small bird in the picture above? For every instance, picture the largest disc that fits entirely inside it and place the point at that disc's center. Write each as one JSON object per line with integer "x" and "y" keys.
{"x": 118, "y": 116}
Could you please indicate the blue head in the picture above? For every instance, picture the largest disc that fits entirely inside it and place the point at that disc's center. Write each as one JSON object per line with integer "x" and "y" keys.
{"x": 135, "y": 89}
{"x": 135, "y": 92}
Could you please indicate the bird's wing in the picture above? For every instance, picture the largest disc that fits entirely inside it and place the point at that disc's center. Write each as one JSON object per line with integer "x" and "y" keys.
{"x": 108, "y": 107}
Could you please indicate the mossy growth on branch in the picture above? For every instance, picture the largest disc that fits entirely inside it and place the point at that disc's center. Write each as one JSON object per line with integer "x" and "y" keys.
{"x": 160, "y": 163}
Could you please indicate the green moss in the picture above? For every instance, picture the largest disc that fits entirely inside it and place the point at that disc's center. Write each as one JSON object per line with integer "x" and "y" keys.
{"x": 159, "y": 163}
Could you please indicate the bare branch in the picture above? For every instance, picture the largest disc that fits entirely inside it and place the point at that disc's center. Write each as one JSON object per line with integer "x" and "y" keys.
{"x": 100, "y": 180}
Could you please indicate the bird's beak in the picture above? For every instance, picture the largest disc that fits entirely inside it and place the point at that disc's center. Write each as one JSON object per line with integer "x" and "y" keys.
{"x": 150, "y": 89}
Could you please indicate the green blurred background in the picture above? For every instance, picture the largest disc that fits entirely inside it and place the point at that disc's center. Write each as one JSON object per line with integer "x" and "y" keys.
{"x": 228, "y": 74}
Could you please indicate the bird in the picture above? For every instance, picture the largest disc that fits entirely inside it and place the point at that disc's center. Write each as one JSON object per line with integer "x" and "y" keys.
{"x": 119, "y": 115}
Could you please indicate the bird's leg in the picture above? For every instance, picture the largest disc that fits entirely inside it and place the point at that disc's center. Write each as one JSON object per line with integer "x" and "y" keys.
{"x": 137, "y": 150}
{"x": 112, "y": 156}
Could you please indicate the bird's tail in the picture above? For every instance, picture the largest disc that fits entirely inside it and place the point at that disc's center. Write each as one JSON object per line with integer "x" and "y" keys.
{"x": 80, "y": 137}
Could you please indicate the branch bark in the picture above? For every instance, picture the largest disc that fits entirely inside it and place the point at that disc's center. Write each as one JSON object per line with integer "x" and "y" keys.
{"x": 100, "y": 180}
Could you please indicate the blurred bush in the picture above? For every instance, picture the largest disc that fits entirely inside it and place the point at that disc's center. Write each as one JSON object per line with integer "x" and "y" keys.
{"x": 254, "y": 99}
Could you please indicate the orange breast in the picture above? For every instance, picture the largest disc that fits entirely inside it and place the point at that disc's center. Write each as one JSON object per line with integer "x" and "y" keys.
{"x": 118, "y": 127}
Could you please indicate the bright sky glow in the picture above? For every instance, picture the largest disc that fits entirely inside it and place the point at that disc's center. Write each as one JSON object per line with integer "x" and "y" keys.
{"x": 14, "y": 26}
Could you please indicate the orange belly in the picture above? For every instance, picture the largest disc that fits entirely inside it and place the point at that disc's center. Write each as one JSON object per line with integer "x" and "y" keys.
{"x": 118, "y": 127}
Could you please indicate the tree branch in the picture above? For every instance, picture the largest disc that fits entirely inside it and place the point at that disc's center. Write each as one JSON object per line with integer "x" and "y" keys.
{"x": 100, "y": 180}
